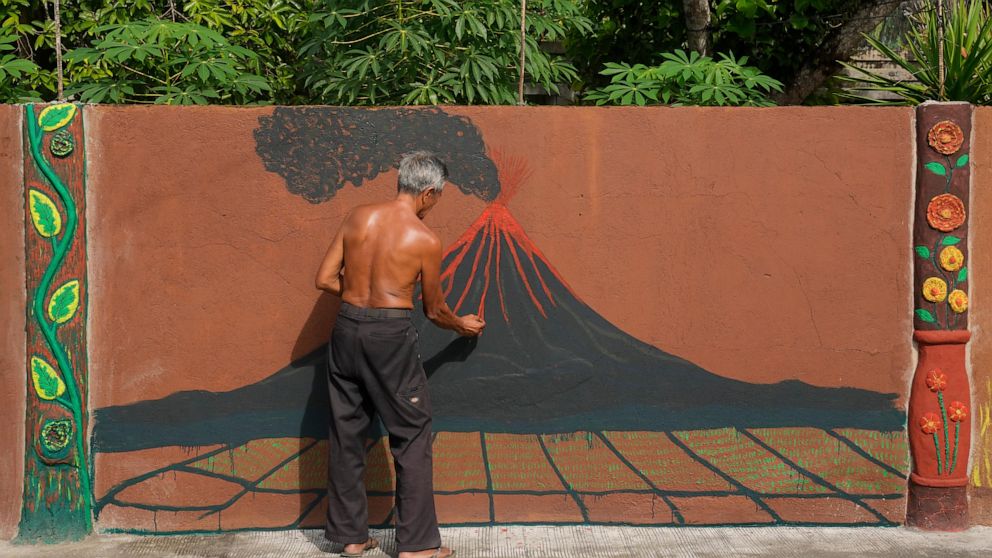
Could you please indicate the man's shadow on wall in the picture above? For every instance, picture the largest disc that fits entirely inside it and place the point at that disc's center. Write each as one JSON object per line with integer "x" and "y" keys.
{"x": 309, "y": 353}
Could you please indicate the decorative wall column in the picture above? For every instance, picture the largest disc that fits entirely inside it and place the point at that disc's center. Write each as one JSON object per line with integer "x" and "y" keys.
{"x": 57, "y": 499}
{"x": 940, "y": 397}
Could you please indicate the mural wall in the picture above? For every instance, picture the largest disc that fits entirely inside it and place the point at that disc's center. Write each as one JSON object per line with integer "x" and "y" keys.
{"x": 12, "y": 317}
{"x": 696, "y": 316}
{"x": 671, "y": 338}
{"x": 981, "y": 320}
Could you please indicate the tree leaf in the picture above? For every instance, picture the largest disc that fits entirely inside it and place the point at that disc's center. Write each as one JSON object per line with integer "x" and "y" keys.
{"x": 962, "y": 161}
{"x": 44, "y": 214}
{"x": 64, "y": 303}
{"x": 963, "y": 275}
{"x": 925, "y": 315}
{"x": 923, "y": 252}
{"x": 56, "y": 116}
{"x": 47, "y": 383}
{"x": 950, "y": 240}
{"x": 936, "y": 168}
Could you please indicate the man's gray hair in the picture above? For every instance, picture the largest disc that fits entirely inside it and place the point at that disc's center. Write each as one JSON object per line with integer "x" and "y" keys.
{"x": 421, "y": 171}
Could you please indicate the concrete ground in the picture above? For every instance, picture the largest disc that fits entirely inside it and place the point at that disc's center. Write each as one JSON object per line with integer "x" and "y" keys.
{"x": 549, "y": 542}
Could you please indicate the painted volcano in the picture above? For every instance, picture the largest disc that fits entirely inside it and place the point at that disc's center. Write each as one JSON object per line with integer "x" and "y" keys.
{"x": 546, "y": 363}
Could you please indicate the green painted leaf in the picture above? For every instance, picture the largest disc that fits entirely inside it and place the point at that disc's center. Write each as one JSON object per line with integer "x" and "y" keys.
{"x": 47, "y": 383}
{"x": 963, "y": 275}
{"x": 950, "y": 240}
{"x": 936, "y": 168}
{"x": 925, "y": 315}
{"x": 64, "y": 303}
{"x": 923, "y": 252}
{"x": 962, "y": 161}
{"x": 56, "y": 116}
{"x": 44, "y": 214}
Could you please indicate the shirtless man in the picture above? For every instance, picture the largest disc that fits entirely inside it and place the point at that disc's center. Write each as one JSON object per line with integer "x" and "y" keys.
{"x": 373, "y": 264}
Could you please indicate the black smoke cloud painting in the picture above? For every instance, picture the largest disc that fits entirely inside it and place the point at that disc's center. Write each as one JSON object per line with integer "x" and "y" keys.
{"x": 319, "y": 150}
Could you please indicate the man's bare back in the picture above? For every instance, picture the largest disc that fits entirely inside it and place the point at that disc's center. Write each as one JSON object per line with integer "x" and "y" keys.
{"x": 379, "y": 253}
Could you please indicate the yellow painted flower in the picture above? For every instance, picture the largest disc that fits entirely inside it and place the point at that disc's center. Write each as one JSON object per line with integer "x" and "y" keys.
{"x": 934, "y": 289}
{"x": 958, "y": 300}
{"x": 951, "y": 258}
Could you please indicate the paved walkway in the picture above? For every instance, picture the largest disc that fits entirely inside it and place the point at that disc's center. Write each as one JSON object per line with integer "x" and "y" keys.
{"x": 551, "y": 542}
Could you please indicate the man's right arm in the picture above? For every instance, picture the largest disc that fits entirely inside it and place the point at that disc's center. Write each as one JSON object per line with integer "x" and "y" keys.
{"x": 435, "y": 307}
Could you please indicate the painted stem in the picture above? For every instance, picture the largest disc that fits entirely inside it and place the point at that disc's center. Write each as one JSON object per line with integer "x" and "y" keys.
{"x": 48, "y": 330}
{"x": 943, "y": 416}
{"x": 950, "y": 174}
{"x": 957, "y": 433}
{"x": 936, "y": 446}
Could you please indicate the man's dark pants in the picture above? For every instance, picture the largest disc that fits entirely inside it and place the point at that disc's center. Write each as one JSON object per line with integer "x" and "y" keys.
{"x": 374, "y": 368}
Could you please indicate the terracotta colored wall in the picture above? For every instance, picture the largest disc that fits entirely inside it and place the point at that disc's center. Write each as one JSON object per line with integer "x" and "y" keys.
{"x": 758, "y": 245}
{"x": 12, "y": 300}
{"x": 981, "y": 325}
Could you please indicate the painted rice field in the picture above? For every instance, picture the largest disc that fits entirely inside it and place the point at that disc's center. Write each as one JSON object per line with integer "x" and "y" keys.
{"x": 705, "y": 477}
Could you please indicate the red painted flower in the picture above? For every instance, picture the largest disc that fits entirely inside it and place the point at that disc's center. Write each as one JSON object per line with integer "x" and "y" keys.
{"x": 936, "y": 380}
{"x": 930, "y": 423}
{"x": 957, "y": 411}
{"x": 945, "y": 137}
{"x": 946, "y": 212}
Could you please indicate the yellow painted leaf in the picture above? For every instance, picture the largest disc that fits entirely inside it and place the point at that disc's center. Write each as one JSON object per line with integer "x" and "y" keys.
{"x": 56, "y": 116}
{"x": 47, "y": 382}
{"x": 64, "y": 303}
{"x": 44, "y": 213}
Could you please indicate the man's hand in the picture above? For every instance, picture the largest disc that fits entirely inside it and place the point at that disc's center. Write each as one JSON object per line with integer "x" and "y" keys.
{"x": 471, "y": 326}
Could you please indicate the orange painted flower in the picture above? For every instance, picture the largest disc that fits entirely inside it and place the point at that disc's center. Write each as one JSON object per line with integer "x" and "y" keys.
{"x": 951, "y": 258}
{"x": 957, "y": 411}
{"x": 945, "y": 212}
{"x": 935, "y": 289}
{"x": 936, "y": 380}
{"x": 958, "y": 300}
{"x": 930, "y": 423}
{"x": 945, "y": 137}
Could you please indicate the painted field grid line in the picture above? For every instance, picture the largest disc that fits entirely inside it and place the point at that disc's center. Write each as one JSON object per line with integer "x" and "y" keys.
{"x": 747, "y": 462}
{"x": 575, "y": 497}
{"x": 752, "y": 495}
{"x": 817, "y": 478}
{"x": 895, "y": 442}
{"x": 489, "y": 477}
{"x": 109, "y": 496}
{"x": 675, "y": 510}
{"x": 271, "y": 472}
{"x": 817, "y": 451}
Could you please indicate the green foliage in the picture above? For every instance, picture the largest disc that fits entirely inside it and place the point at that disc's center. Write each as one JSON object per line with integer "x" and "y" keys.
{"x": 16, "y": 73}
{"x": 967, "y": 51}
{"x": 434, "y": 51}
{"x": 925, "y": 315}
{"x": 778, "y": 35}
{"x": 686, "y": 79}
{"x": 164, "y": 62}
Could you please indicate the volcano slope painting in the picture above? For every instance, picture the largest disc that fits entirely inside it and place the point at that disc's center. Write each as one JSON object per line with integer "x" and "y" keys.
{"x": 554, "y": 415}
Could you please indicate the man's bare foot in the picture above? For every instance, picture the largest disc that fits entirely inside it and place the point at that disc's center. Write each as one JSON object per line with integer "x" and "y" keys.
{"x": 443, "y": 552}
{"x": 358, "y": 549}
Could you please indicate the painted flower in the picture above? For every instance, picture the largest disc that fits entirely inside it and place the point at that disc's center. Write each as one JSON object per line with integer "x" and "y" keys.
{"x": 935, "y": 289}
{"x": 958, "y": 300}
{"x": 936, "y": 380}
{"x": 945, "y": 137}
{"x": 951, "y": 258}
{"x": 945, "y": 212}
{"x": 957, "y": 411}
{"x": 930, "y": 423}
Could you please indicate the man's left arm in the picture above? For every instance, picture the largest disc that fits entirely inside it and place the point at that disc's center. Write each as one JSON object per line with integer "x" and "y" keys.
{"x": 329, "y": 276}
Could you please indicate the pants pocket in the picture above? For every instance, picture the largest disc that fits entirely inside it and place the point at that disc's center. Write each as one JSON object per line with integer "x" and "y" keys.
{"x": 417, "y": 397}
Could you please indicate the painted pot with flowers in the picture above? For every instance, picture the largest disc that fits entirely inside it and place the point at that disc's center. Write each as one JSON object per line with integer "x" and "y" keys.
{"x": 939, "y": 421}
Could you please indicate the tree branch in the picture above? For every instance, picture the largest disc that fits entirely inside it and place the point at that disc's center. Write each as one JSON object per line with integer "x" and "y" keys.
{"x": 840, "y": 44}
